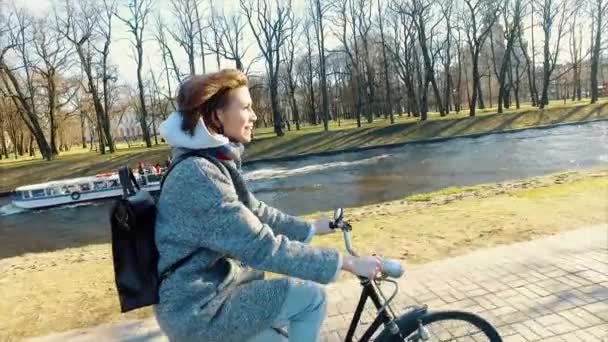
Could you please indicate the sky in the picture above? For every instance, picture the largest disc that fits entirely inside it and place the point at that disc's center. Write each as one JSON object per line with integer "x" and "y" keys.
{"x": 121, "y": 50}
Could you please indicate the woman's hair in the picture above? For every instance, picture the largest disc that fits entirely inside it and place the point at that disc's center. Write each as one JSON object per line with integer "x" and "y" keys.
{"x": 202, "y": 95}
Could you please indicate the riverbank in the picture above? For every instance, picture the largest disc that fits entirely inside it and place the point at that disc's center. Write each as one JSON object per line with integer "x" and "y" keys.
{"x": 296, "y": 143}
{"x": 74, "y": 288}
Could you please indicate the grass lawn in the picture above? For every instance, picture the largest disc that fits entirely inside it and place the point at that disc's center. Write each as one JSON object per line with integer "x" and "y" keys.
{"x": 74, "y": 287}
{"x": 310, "y": 139}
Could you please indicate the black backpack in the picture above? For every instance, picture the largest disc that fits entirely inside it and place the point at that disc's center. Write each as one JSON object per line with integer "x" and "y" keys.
{"x": 134, "y": 252}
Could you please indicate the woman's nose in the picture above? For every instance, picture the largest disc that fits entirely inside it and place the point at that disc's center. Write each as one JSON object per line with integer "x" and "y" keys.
{"x": 253, "y": 116}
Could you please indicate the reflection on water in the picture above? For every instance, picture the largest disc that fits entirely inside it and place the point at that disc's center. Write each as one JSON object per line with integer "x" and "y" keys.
{"x": 350, "y": 179}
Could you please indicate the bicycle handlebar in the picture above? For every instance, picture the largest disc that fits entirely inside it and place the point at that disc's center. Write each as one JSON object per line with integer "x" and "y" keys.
{"x": 390, "y": 267}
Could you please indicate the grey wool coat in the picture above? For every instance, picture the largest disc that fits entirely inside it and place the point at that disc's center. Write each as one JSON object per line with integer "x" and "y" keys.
{"x": 220, "y": 293}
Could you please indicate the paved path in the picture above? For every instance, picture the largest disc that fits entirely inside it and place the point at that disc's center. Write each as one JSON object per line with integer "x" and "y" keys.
{"x": 551, "y": 289}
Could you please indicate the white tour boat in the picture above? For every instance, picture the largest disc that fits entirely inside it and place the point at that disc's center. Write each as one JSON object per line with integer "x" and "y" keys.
{"x": 81, "y": 189}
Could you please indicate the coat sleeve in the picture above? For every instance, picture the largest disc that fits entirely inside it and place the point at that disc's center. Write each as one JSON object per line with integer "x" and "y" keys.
{"x": 281, "y": 223}
{"x": 214, "y": 218}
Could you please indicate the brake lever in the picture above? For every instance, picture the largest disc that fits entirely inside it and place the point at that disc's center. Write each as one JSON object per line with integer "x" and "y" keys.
{"x": 343, "y": 225}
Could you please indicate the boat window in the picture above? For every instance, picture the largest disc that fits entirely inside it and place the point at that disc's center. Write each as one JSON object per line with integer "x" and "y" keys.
{"x": 98, "y": 185}
{"x": 24, "y": 194}
{"x": 85, "y": 187}
{"x": 38, "y": 193}
{"x": 52, "y": 191}
{"x": 142, "y": 180}
{"x": 113, "y": 183}
{"x": 154, "y": 178}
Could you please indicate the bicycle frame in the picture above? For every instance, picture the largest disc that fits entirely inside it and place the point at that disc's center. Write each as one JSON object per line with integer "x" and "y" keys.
{"x": 385, "y": 313}
{"x": 369, "y": 292}
{"x": 383, "y": 317}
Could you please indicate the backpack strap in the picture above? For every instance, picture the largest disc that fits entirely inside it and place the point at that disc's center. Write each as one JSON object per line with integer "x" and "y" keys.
{"x": 177, "y": 161}
{"x": 233, "y": 174}
{"x": 128, "y": 181}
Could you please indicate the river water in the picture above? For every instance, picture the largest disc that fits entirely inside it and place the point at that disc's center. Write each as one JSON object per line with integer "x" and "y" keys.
{"x": 348, "y": 179}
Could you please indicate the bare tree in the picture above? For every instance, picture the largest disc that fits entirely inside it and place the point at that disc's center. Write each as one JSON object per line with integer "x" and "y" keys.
{"x": 576, "y": 52}
{"x": 201, "y": 42}
{"x": 359, "y": 11}
{"x": 271, "y": 27}
{"x": 530, "y": 63}
{"x": 15, "y": 35}
{"x": 54, "y": 54}
{"x": 79, "y": 27}
{"x": 310, "y": 77}
{"x": 187, "y": 27}
{"x": 230, "y": 33}
{"x": 477, "y": 17}
{"x": 403, "y": 51}
{"x": 512, "y": 13}
{"x": 422, "y": 15}
{"x": 213, "y": 24}
{"x": 166, "y": 52}
{"x": 344, "y": 19}
{"x": 106, "y": 13}
{"x": 551, "y": 10}
{"x": 387, "y": 84}
{"x": 319, "y": 10}
{"x": 600, "y": 11}
{"x": 140, "y": 11}
{"x": 290, "y": 79}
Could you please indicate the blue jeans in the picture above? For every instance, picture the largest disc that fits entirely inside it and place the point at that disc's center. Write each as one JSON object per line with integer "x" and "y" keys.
{"x": 303, "y": 313}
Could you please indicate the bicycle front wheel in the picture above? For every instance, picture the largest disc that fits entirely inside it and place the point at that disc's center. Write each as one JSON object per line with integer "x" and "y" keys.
{"x": 442, "y": 326}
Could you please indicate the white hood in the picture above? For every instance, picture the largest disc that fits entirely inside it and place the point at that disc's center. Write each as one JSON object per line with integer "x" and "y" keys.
{"x": 171, "y": 131}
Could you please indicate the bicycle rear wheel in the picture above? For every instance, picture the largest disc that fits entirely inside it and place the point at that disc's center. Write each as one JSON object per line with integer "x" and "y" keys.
{"x": 443, "y": 326}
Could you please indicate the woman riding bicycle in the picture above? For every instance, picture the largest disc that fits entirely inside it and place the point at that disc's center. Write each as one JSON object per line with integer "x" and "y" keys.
{"x": 222, "y": 237}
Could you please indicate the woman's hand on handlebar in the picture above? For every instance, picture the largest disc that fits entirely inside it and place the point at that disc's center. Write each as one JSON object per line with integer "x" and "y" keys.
{"x": 322, "y": 226}
{"x": 364, "y": 266}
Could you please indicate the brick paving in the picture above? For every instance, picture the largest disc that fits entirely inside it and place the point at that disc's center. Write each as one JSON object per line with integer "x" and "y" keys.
{"x": 550, "y": 289}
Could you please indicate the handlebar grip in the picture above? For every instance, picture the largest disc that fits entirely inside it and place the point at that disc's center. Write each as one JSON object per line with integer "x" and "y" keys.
{"x": 392, "y": 268}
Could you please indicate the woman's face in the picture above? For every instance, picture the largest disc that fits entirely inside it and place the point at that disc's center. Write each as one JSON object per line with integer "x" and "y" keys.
{"x": 237, "y": 117}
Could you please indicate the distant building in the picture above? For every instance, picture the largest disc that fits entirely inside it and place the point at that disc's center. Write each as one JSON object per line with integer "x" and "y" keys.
{"x": 126, "y": 127}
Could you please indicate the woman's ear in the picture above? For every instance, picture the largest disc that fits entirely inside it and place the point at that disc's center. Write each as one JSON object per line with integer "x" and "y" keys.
{"x": 219, "y": 114}
{"x": 218, "y": 117}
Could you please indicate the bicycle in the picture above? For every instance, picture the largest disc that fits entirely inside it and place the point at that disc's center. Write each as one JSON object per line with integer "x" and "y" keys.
{"x": 414, "y": 325}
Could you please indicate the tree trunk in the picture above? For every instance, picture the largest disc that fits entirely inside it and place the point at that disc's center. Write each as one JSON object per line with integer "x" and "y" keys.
{"x": 595, "y": 61}
{"x": 200, "y": 39}
{"x": 31, "y": 146}
{"x": 142, "y": 99}
{"x": 369, "y": 86}
{"x": 502, "y": 93}
{"x": 106, "y": 108}
{"x": 489, "y": 88}
{"x": 274, "y": 101}
{"x": 480, "y": 95}
{"x": 476, "y": 83}
{"x": 27, "y": 114}
{"x": 357, "y": 99}
{"x": 86, "y": 65}
{"x": 3, "y": 143}
{"x": 544, "y": 99}
{"x": 389, "y": 104}
{"x": 535, "y": 99}
{"x": 429, "y": 71}
{"x": 84, "y": 140}
{"x": 21, "y": 147}
{"x": 311, "y": 91}
{"x": 459, "y": 86}
{"x": 322, "y": 71}
{"x": 294, "y": 109}
{"x": 52, "y": 96}
{"x": 154, "y": 131}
